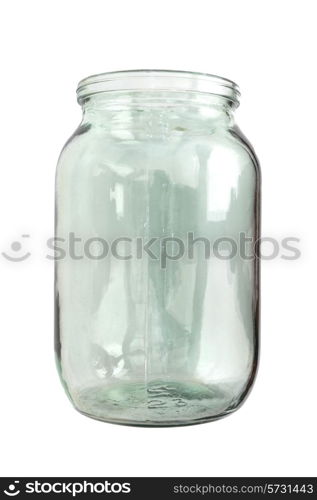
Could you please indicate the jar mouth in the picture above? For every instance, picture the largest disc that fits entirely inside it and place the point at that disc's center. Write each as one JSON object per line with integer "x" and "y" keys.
{"x": 161, "y": 80}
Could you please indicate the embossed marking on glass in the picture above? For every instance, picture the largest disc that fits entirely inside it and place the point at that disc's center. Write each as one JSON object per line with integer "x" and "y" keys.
{"x": 157, "y": 339}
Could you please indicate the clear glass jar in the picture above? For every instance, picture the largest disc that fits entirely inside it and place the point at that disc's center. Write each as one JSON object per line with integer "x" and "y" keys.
{"x": 156, "y": 303}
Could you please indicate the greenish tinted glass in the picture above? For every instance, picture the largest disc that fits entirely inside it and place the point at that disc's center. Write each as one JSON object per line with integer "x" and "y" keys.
{"x": 156, "y": 304}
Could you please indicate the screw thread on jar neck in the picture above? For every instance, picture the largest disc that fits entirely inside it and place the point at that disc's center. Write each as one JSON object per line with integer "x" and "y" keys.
{"x": 140, "y": 82}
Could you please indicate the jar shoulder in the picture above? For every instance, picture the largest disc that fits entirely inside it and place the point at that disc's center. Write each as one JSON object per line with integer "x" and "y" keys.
{"x": 90, "y": 146}
{"x": 245, "y": 146}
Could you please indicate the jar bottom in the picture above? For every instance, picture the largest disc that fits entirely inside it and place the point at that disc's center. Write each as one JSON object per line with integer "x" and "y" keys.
{"x": 155, "y": 404}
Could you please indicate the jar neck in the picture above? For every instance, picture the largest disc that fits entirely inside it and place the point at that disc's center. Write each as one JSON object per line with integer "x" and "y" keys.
{"x": 168, "y": 110}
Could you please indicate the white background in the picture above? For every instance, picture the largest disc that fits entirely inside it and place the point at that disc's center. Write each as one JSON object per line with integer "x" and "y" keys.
{"x": 269, "y": 49}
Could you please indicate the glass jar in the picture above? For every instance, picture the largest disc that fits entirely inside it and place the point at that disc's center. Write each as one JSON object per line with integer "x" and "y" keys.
{"x": 157, "y": 219}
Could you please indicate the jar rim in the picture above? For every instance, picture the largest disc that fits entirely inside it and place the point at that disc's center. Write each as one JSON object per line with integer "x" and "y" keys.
{"x": 155, "y": 79}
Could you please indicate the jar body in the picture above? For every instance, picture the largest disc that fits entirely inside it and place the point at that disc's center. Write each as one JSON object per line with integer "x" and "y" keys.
{"x": 156, "y": 308}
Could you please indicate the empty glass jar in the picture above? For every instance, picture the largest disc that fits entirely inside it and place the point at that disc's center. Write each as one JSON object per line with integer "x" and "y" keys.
{"x": 157, "y": 218}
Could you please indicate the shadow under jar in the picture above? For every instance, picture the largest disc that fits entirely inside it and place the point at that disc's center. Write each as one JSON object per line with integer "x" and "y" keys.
{"x": 157, "y": 282}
